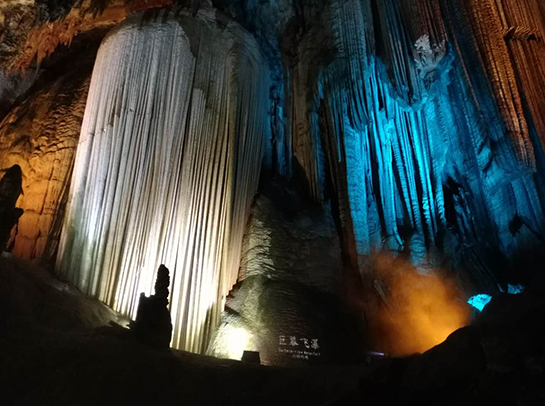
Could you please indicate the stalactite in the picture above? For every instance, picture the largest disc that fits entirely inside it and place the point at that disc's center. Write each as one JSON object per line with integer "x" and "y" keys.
{"x": 476, "y": 33}
{"x": 523, "y": 26}
{"x": 411, "y": 82}
{"x": 421, "y": 119}
{"x": 305, "y": 147}
{"x": 167, "y": 166}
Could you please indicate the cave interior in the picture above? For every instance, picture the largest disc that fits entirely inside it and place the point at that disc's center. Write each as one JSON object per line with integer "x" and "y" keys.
{"x": 350, "y": 193}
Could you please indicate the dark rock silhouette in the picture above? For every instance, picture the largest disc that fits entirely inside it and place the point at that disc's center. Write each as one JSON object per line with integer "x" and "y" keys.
{"x": 161, "y": 283}
{"x": 251, "y": 357}
{"x": 153, "y": 325}
{"x": 10, "y": 190}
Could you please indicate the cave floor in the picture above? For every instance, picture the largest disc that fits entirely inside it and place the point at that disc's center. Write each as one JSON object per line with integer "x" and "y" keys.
{"x": 56, "y": 348}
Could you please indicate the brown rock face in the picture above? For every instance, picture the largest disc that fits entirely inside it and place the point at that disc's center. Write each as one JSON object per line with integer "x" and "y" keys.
{"x": 41, "y": 136}
{"x": 30, "y": 31}
{"x": 16, "y": 21}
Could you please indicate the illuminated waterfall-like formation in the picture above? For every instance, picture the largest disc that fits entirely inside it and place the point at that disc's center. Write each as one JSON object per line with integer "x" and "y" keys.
{"x": 167, "y": 166}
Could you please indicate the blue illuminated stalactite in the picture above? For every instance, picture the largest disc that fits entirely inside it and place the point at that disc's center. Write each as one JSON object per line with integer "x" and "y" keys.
{"x": 479, "y": 301}
{"x": 437, "y": 158}
{"x": 408, "y": 154}
{"x": 357, "y": 183}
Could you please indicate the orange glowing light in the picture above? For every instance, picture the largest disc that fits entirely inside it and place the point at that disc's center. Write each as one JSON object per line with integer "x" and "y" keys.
{"x": 418, "y": 311}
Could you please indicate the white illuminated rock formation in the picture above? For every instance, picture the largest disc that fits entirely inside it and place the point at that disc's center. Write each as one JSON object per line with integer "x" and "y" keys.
{"x": 167, "y": 166}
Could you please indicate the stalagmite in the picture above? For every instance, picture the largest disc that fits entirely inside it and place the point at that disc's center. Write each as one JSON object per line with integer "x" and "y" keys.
{"x": 167, "y": 166}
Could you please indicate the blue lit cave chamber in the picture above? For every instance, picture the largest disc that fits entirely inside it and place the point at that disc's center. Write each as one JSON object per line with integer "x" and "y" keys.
{"x": 290, "y": 201}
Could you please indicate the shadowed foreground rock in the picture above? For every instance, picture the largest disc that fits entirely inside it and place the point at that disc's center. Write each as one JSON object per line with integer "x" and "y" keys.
{"x": 53, "y": 353}
{"x": 153, "y": 325}
{"x": 10, "y": 190}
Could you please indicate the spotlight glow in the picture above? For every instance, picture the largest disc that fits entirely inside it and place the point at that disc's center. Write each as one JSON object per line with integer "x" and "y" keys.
{"x": 237, "y": 339}
{"x": 479, "y": 301}
{"x": 416, "y": 311}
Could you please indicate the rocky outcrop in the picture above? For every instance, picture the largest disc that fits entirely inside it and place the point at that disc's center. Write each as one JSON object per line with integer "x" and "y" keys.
{"x": 16, "y": 21}
{"x": 32, "y": 30}
{"x": 287, "y": 305}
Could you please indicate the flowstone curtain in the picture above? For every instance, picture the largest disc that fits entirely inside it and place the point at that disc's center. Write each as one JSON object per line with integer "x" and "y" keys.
{"x": 167, "y": 166}
{"x": 422, "y": 118}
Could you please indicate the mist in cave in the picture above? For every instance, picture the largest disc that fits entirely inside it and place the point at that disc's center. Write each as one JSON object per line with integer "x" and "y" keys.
{"x": 331, "y": 184}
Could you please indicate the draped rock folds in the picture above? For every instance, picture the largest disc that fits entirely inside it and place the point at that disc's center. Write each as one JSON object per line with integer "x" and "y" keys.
{"x": 424, "y": 121}
{"x": 41, "y": 135}
{"x": 167, "y": 166}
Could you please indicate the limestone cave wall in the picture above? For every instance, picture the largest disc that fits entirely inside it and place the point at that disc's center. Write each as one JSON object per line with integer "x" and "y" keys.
{"x": 41, "y": 135}
{"x": 414, "y": 114}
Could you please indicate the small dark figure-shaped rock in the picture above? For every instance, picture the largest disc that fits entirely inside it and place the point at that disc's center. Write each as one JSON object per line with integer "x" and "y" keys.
{"x": 10, "y": 190}
{"x": 153, "y": 325}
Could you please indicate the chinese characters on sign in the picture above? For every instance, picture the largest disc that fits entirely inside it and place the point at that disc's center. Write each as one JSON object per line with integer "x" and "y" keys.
{"x": 299, "y": 347}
